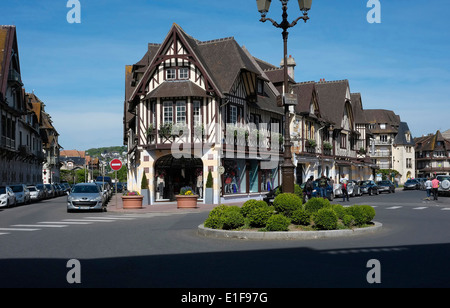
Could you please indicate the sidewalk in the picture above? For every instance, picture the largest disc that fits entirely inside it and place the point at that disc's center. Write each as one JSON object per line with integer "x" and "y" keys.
{"x": 115, "y": 205}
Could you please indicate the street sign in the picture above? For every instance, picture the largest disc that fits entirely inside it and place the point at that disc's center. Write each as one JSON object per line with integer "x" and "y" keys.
{"x": 116, "y": 164}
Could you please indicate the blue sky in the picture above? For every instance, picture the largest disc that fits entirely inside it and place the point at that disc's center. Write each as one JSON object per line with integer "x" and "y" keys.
{"x": 401, "y": 64}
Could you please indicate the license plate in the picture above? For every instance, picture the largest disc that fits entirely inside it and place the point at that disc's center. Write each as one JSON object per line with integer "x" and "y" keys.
{"x": 84, "y": 207}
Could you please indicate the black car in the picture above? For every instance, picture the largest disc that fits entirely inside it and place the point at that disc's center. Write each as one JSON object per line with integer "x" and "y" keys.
{"x": 368, "y": 187}
{"x": 411, "y": 184}
{"x": 386, "y": 186}
{"x": 270, "y": 196}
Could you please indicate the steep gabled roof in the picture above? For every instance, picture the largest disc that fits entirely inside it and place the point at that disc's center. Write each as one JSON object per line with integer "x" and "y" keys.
{"x": 8, "y": 43}
{"x": 332, "y": 97}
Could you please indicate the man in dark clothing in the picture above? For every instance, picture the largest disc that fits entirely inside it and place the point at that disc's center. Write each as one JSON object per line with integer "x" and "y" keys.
{"x": 323, "y": 186}
{"x": 309, "y": 186}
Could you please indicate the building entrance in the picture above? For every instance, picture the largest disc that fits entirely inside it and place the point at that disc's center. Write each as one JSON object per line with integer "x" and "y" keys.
{"x": 172, "y": 174}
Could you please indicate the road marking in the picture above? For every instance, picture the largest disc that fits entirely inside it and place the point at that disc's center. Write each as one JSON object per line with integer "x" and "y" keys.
{"x": 89, "y": 220}
{"x": 66, "y": 222}
{"x": 111, "y": 217}
{"x": 420, "y": 208}
{"x": 446, "y": 209}
{"x": 18, "y": 229}
{"x": 39, "y": 226}
{"x": 4, "y": 233}
{"x": 393, "y": 207}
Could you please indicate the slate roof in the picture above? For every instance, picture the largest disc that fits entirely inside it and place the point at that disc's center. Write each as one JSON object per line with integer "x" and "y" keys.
{"x": 332, "y": 100}
{"x": 400, "y": 138}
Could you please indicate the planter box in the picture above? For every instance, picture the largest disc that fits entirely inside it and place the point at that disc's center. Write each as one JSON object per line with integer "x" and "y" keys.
{"x": 187, "y": 202}
{"x": 146, "y": 194}
{"x": 209, "y": 196}
{"x": 132, "y": 202}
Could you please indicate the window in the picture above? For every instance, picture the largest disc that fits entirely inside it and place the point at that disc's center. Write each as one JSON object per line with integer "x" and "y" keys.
{"x": 260, "y": 87}
{"x": 183, "y": 73}
{"x": 409, "y": 163}
{"x": 197, "y": 113}
{"x": 168, "y": 112}
{"x": 384, "y": 138}
{"x": 343, "y": 141}
{"x": 171, "y": 74}
{"x": 181, "y": 112}
{"x": 383, "y": 126}
{"x": 233, "y": 114}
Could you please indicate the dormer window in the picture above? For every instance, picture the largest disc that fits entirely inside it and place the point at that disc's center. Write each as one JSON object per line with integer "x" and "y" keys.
{"x": 183, "y": 73}
{"x": 171, "y": 74}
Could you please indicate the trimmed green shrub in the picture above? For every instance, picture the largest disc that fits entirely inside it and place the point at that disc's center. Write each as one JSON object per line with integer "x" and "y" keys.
{"x": 250, "y": 205}
{"x": 232, "y": 218}
{"x": 301, "y": 217}
{"x": 298, "y": 191}
{"x": 215, "y": 217}
{"x": 339, "y": 210}
{"x": 259, "y": 215}
{"x": 348, "y": 220}
{"x": 325, "y": 219}
{"x": 278, "y": 222}
{"x": 287, "y": 203}
{"x": 315, "y": 204}
{"x": 363, "y": 214}
{"x": 369, "y": 213}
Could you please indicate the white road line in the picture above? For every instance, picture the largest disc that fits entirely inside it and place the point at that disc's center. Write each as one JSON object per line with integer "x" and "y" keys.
{"x": 65, "y": 222}
{"x": 420, "y": 208}
{"x": 39, "y": 226}
{"x": 88, "y": 220}
{"x": 115, "y": 218}
{"x": 393, "y": 207}
{"x": 446, "y": 209}
{"x": 18, "y": 229}
{"x": 4, "y": 233}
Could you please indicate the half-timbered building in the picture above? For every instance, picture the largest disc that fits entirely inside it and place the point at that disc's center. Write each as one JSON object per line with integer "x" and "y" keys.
{"x": 197, "y": 106}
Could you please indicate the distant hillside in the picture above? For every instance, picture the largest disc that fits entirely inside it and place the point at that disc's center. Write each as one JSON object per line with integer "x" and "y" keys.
{"x": 96, "y": 152}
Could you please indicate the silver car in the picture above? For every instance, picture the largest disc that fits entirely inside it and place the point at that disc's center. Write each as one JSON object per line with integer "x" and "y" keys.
{"x": 22, "y": 193}
{"x": 86, "y": 196}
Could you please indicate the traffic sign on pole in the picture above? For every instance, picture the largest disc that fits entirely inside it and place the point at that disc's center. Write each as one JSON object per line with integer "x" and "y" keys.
{"x": 116, "y": 164}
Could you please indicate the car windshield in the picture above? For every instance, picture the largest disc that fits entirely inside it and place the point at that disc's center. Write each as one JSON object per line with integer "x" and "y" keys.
{"x": 85, "y": 189}
{"x": 384, "y": 183}
{"x": 32, "y": 188}
{"x": 443, "y": 178}
{"x": 411, "y": 181}
{"x": 17, "y": 188}
{"x": 2, "y": 190}
{"x": 364, "y": 183}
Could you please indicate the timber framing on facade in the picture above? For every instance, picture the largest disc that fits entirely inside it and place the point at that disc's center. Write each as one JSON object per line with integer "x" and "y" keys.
{"x": 197, "y": 106}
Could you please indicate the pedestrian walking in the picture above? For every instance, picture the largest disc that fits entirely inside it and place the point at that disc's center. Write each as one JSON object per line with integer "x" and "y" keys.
{"x": 434, "y": 187}
{"x": 428, "y": 187}
{"x": 309, "y": 187}
{"x": 344, "y": 182}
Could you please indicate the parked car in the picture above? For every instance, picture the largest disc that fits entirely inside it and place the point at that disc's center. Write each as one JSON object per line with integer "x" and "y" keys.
{"x": 386, "y": 186}
{"x": 50, "y": 190}
{"x": 368, "y": 187}
{"x": 22, "y": 193}
{"x": 7, "y": 197}
{"x": 411, "y": 184}
{"x": 353, "y": 189}
{"x": 35, "y": 194}
{"x": 315, "y": 193}
{"x": 444, "y": 186}
{"x": 85, "y": 196}
{"x": 42, "y": 188}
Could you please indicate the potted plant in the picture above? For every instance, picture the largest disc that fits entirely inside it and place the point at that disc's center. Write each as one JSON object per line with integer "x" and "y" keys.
{"x": 145, "y": 192}
{"x": 209, "y": 193}
{"x": 132, "y": 200}
{"x": 187, "y": 199}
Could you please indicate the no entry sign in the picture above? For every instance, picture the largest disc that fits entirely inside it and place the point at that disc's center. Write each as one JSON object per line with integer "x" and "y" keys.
{"x": 116, "y": 164}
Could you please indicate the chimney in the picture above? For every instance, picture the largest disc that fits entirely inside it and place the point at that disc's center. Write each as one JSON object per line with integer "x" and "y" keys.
{"x": 290, "y": 65}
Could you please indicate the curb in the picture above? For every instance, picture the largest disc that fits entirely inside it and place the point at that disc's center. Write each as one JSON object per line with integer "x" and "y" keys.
{"x": 291, "y": 235}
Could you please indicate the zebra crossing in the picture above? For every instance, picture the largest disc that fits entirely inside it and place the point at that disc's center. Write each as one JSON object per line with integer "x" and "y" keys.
{"x": 82, "y": 221}
{"x": 402, "y": 207}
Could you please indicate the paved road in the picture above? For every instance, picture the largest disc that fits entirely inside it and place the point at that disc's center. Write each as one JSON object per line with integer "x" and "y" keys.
{"x": 164, "y": 250}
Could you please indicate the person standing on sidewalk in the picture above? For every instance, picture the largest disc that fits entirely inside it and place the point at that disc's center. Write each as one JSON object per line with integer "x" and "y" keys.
{"x": 435, "y": 185}
{"x": 428, "y": 187}
{"x": 344, "y": 182}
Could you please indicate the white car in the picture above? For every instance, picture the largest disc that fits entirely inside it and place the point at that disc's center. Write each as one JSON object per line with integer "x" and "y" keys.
{"x": 444, "y": 187}
{"x": 7, "y": 197}
{"x": 22, "y": 193}
{"x": 35, "y": 194}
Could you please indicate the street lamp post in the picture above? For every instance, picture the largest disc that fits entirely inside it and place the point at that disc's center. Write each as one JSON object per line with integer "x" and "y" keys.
{"x": 287, "y": 168}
